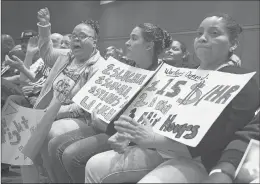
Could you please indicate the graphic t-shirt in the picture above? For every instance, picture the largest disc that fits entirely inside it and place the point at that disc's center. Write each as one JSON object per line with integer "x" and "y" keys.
{"x": 65, "y": 82}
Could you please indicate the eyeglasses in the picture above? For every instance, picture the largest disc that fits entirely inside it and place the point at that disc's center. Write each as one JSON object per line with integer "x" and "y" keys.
{"x": 81, "y": 36}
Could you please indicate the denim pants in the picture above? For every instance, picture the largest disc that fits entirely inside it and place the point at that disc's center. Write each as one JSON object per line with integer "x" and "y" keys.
{"x": 142, "y": 164}
{"x": 70, "y": 152}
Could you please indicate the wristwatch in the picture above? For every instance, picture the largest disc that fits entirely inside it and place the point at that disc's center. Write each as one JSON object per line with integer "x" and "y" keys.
{"x": 222, "y": 171}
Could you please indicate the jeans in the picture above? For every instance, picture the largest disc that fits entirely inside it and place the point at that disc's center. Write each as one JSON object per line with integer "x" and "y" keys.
{"x": 70, "y": 152}
{"x": 136, "y": 163}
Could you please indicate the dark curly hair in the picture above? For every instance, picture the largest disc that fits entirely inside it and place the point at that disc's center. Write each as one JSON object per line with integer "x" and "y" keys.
{"x": 161, "y": 38}
{"x": 93, "y": 24}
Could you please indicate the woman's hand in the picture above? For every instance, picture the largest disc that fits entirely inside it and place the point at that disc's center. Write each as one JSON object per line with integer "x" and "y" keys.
{"x": 133, "y": 131}
{"x": 97, "y": 122}
{"x": 44, "y": 16}
{"x": 14, "y": 63}
{"x": 27, "y": 90}
{"x": 118, "y": 143}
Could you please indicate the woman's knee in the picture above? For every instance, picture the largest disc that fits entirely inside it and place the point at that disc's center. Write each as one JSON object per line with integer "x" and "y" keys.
{"x": 68, "y": 157}
{"x": 93, "y": 173}
{"x": 63, "y": 126}
{"x": 183, "y": 171}
{"x": 54, "y": 147}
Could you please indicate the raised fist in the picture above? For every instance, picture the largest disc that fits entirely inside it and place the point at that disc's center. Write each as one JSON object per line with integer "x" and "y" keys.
{"x": 44, "y": 16}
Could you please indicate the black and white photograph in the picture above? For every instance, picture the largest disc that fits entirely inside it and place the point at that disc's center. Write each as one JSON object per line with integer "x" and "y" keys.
{"x": 117, "y": 91}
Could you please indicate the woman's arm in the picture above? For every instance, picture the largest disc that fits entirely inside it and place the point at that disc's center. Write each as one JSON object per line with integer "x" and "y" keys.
{"x": 34, "y": 144}
{"x": 70, "y": 111}
{"x": 47, "y": 52}
{"x": 233, "y": 153}
{"x": 28, "y": 68}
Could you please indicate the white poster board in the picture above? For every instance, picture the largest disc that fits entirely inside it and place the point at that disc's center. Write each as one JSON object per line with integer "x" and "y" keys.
{"x": 182, "y": 104}
{"x": 17, "y": 124}
{"x": 111, "y": 88}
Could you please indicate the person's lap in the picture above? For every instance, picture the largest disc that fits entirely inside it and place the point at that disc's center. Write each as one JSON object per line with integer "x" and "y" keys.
{"x": 57, "y": 146}
{"x": 182, "y": 170}
{"x": 58, "y": 128}
{"x": 76, "y": 155}
{"x": 111, "y": 167}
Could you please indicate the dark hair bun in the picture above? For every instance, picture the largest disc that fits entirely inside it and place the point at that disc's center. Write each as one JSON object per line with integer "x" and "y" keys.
{"x": 153, "y": 33}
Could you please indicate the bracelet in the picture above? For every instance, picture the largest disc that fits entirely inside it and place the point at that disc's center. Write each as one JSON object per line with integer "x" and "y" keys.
{"x": 222, "y": 171}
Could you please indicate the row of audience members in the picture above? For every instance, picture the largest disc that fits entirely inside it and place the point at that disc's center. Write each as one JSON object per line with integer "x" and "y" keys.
{"x": 79, "y": 147}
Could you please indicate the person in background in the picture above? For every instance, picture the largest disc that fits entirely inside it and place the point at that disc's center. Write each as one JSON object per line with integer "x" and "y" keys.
{"x": 24, "y": 39}
{"x": 177, "y": 55}
{"x": 12, "y": 83}
{"x": 70, "y": 152}
{"x": 156, "y": 156}
{"x": 224, "y": 171}
{"x": 71, "y": 69}
{"x": 7, "y": 44}
{"x": 56, "y": 39}
{"x": 8, "y": 48}
{"x": 32, "y": 75}
{"x": 65, "y": 42}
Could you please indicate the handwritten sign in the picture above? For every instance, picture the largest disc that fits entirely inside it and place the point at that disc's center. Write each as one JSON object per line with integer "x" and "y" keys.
{"x": 111, "y": 88}
{"x": 182, "y": 104}
{"x": 17, "y": 124}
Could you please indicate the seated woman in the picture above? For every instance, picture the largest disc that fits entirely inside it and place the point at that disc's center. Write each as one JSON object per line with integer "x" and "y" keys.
{"x": 71, "y": 69}
{"x": 214, "y": 45}
{"x": 71, "y": 151}
{"x": 177, "y": 55}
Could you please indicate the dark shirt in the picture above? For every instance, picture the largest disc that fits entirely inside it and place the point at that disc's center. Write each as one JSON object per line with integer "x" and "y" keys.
{"x": 234, "y": 117}
{"x": 237, "y": 147}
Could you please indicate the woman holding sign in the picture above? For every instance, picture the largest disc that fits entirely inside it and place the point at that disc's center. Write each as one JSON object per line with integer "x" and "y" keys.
{"x": 146, "y": 42}
{"x": 214, "y": 46}
{"x": 71, "y": 69}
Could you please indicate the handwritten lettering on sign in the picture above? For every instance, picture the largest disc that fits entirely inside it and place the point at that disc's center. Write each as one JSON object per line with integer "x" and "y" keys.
{"x": 111, "y": 88}
{"x": 182, "y": 104}
{"x": 17, "y": 124}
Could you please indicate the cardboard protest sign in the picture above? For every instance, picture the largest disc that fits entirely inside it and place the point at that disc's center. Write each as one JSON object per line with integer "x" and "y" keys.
{"x": 17, "y": 125}
{"x": 111, "y": 88}
{"x": 182, "y": 104}
{"x": 248, "y": 168}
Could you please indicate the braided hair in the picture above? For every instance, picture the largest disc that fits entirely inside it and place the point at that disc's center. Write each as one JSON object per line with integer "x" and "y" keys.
{"x": 161, "y": 38}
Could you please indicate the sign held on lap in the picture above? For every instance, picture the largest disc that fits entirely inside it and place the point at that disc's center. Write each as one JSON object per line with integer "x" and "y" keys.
{"x": 111, "y": 88}
{"x": 181, "y": 104}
